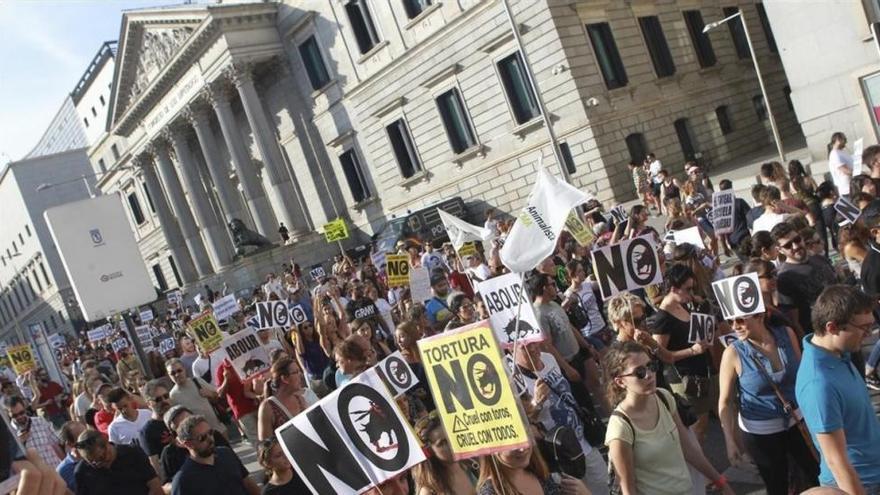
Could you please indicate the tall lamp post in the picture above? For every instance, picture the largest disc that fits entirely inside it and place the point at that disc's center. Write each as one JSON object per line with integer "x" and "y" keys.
{"x": 742, "y": 18}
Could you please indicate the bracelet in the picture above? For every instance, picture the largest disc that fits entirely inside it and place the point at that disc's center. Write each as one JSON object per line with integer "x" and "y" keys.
{"x": 721, "y": 482}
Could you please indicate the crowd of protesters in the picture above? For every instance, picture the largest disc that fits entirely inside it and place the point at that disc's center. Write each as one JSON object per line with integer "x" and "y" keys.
{"x": 621, "y": 377}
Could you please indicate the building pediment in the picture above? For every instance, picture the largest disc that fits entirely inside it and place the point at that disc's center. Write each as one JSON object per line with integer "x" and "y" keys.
{"x": 157, "y": 46}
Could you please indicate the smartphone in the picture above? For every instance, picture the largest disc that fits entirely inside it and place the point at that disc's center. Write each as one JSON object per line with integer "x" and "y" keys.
{"x": 11, "y": 450}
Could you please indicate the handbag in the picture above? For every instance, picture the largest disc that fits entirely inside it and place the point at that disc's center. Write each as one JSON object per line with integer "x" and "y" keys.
{"x": 787, "y": 407}
{"x": 222, "y": 413}
{"x": 563, "y": 453}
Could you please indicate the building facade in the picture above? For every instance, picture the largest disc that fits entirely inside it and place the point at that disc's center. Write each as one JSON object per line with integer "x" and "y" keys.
{"x": 835, "y": 79}
{"x": 305, "y": 111}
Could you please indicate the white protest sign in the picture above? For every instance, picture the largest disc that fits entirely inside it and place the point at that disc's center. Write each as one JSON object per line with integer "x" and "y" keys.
{"x": 378, "y": 261}
{"x": 353, "y": 439}
{"x": 396, "y": 374}
{"x": 702, "y": 328}
{"x": 847, "y": 210}
{"x": 166, "y": 345}
{"x": 739, "y": 296}
{"x": 225, "y": 307}
{"x": 504, "y": 296}
{"x": 56, "y": 340}
{"x": 618, "y": 214}
{"x": 273, "y": 314}
{"x": 97, "y": 334}
{"x": 317, "y": 272}
{"x": 627, "y": 265}
{"x": 120, "y": 344}
{"x": 858, "y": 148}
{"x": 248, "y": 356}
{"x": 198, "y": 299}
{"x": 420, "y": 284}
{"x": 689, "y": 236}
{"x": 175, "y": 297}
{"x": 298, "y": 314}
{"x": 722, "y": 211}
{"x": 145, "y": 337}
{"x": 146, "y": 315}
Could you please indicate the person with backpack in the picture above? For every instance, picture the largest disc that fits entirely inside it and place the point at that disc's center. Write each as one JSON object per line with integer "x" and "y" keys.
{"x": 648, "y": 446}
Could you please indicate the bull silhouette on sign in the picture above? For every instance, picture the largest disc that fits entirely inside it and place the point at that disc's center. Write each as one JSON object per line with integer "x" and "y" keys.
{"x": 379, "y": 422}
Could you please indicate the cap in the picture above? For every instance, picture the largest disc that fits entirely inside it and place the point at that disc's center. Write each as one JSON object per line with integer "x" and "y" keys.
{"x": 437, "y": 277}
{"x": 172, "y": 413}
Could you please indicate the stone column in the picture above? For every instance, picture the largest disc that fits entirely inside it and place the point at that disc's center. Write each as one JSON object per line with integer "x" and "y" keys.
{"x": 281, "y": 190}
{"x": 217, "y": 241}
{"x": 177, "y": 198}
{"x": 167, "y": 221}
{"x": 254, "y": 195}
{"x": 229, "y": 201}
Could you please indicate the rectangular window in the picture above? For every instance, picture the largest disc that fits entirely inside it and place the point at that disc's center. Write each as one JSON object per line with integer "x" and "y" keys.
{"x": 685, "y": 139}
{"x": 723, "y": 116}
{"x": 787, "y": 92}
{"x": 11, "y": 303}
{"x": 14, "y": 247}
{"x": 27, "y": 228}
{"x": 102, "y": 165}
{"x": 136, "y": 211}
{"x": 404, "y": 150}
{"x": 45, "y": 275}
{"x": 735, "y": 26}
{"x": 455, "y": 120}
{"x": 519, "y": 91}
{"x": 115, "y": 151}
{"x": 21, "y": 238}
{"x": 768, "y": 31}
{"x": 415, "y": 7}
{"x": 86, "y": 121}
{"x": 760, "y": 107}
{"x": 61, "y": 316}
{"x": 54, "y": 322}
{"x": 362, "y": 25}
{"x": 314, "y": 62}
{"x": 658, "y": 48}
{"x": 101, "y": 97}
{"x": 149, "y": 197}
{"x": 174, "y": 270}
{"x": 638, "y": 149}
{"x": 354, "y": 175}
{"x": 160, "y": 277}
{"x": 94, "y": 113}
{"x": 607, "y": 55}
{"x": 702, "y": 44}
{"x": 567, "y": 158}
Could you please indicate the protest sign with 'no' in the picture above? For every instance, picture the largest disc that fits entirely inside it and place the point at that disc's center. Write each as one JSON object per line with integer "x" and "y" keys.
{"x": 739, "y": 296}
{"x": 627, "y": 265}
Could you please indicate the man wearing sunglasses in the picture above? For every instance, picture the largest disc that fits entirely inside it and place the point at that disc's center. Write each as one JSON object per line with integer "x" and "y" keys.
{"x": 801, "y": 277}
{"x": 34, "y": 432}
{"x": 108, "y": 468}
{"x": 154, "y": 435}
{"x": 209, "y": 469}
{"x": 832, "y": 395}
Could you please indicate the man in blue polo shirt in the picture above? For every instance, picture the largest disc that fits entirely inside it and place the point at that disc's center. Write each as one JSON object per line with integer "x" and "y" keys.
{"x": 832, "y": 395}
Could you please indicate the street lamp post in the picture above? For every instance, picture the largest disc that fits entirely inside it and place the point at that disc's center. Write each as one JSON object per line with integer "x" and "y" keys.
{"x": 742, "y": 18}
{"x": 49, "y": 185}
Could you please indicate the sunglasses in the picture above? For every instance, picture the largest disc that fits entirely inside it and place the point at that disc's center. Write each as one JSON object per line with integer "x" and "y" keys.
{"x": 739, "y": 321}
{"x": 162, "y": 398}
{"x": 794, "y": 240}
{"x": 641, "y": 372}
{"x": 87, "y": 443}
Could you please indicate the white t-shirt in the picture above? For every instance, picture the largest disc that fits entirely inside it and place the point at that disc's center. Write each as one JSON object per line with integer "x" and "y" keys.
{"x": 588, "y": 302}
{"x": 81, "y": 405}
{"x": 432, "y": 261}
{"x": 767, "y": 221}
{"x": 125, "y": 432}
{"x": 200, "y": 365}
{"x": 385, "y": 312}
{"x": 836, "y": 159}
{"x": 654, "y": 169}
{"x": 480, "y": 272}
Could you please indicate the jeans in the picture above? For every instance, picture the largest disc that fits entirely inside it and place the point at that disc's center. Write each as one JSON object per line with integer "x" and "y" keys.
{"x": 770, "y": 453}
{"x": 874, "y": 358}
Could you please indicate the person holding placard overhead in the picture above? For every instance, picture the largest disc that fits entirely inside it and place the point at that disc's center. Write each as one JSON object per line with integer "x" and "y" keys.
{"x": 760, "y": 364}
{"x": 690, "y": 374}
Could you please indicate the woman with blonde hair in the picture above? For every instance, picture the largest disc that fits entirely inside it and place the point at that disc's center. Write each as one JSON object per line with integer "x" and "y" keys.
{"x": 523, "y": 471}
{"x": 648, "y": 445}
{"x": 440, "y": 473}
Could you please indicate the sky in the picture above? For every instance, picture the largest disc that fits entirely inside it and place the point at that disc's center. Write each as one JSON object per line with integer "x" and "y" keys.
{"x": 45, "y": 47}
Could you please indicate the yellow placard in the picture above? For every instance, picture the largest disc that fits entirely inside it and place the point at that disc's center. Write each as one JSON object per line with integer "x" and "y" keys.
{"x": 467, "y": 249}
{"x": 22, "y": 358}
{"x": 206, "y": 332}
{"x": 397, "y": 269}
{"x": 472, "y": 391}
{"x": 336, "y": 230}
{"x": 582, "y": 234}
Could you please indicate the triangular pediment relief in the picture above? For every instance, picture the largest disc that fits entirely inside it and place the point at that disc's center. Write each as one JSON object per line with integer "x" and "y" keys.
{"x": 158, "y": 46}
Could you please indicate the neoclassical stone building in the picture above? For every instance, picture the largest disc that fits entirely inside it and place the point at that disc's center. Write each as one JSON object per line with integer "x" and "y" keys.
{"x": 302, "y": 111}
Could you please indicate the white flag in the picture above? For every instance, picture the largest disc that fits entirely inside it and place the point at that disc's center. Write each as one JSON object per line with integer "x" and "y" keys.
{"x": 461, "y": 232}
{"x": 533, "y": 236}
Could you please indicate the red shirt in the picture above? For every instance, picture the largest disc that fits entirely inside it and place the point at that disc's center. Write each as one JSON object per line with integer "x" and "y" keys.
{"x": 459, "y": 281}
{"x": 240, "y": 405}
{"x": 48, "y": 392}
{"x": 103, "y": 418}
